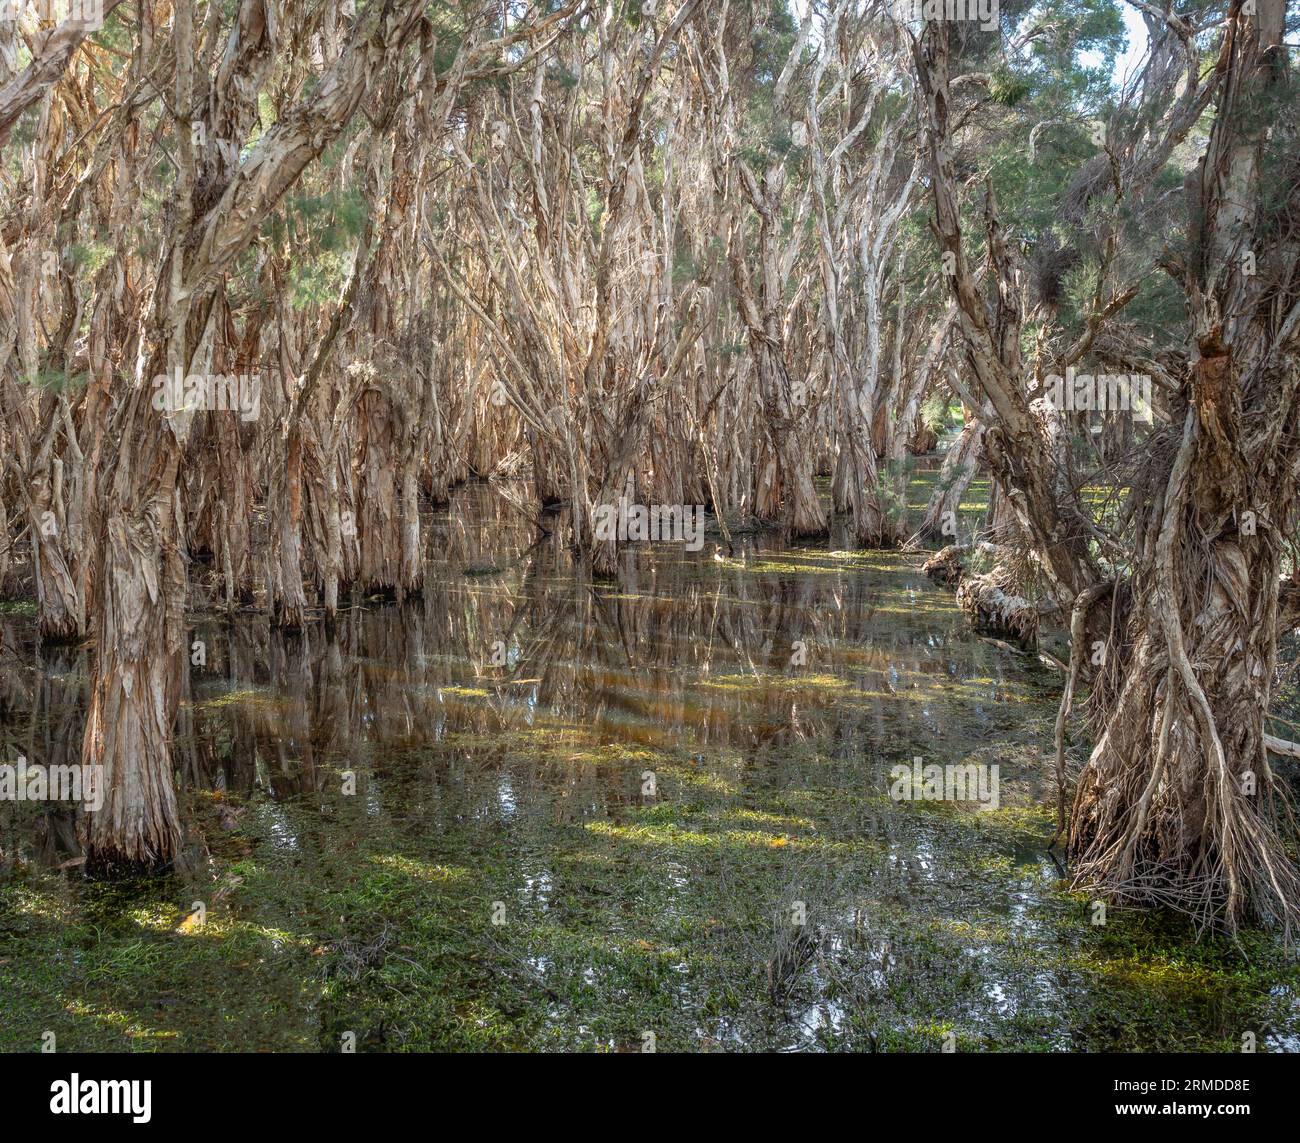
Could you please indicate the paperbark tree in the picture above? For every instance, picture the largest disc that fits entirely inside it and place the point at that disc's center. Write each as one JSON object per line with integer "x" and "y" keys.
{"x": 1177, "y": 803}
{"x": 139, "y": 618}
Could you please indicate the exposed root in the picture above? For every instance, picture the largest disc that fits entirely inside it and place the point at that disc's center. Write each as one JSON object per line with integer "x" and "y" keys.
{"x": 1178, "y": 804}
{"x": 947, "y": 566}
{"x": 994, "y": 610}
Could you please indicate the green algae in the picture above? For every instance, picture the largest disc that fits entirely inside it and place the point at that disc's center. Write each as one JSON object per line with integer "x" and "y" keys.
{"x": 610, "y": 841}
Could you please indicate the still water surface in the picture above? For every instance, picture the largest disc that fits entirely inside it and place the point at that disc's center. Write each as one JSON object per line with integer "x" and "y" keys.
{"x": 532, "y": 811}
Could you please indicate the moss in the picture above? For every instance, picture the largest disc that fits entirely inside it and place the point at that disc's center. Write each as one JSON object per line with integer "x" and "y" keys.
{"x": 502, "y": 879}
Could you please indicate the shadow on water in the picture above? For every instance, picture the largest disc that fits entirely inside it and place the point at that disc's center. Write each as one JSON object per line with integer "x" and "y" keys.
{"x": 530, "y": 810}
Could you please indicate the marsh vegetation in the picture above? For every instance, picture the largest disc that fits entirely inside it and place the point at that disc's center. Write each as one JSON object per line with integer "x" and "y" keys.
{"x": 533, "y": 516}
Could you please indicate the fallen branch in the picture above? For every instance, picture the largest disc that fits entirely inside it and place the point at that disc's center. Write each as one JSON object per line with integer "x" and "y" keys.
{"x": 1281, "y": 746}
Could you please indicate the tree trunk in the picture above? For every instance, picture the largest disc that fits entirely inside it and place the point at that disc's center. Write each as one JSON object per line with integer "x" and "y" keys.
{"x": 1177, "y": 802}
{"x": 940, "y": 521}
{"x": 138, "y": 659}
{"x": 141, "y": 598}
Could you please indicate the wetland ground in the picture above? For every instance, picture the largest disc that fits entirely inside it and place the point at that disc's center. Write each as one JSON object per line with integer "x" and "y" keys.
{"x": 530, "y": 811}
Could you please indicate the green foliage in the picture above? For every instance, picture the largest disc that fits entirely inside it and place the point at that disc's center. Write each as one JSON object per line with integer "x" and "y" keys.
{"x": 1008, "y": 89}
{"x": 321, "y": 229}
{"x": 771, "y": 31}
{"x": 938, "y": 411}
{"x": 51, "y": 380}
{"x": 562, "y": 77}
{"x": 90, "y": 256}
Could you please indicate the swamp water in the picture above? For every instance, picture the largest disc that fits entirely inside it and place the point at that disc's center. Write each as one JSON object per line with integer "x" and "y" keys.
{"x": 587, "y": 816}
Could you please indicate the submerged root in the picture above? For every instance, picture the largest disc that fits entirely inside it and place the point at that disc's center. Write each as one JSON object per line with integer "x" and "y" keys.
{"x": 795, "y": 948}
{"x": 1133, "y": 846}
{"x": 994, "y": 610}
{"x": 988, "y": 598}
{"x": 1179, "y": 807}
{"x": 948, "y": 565}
